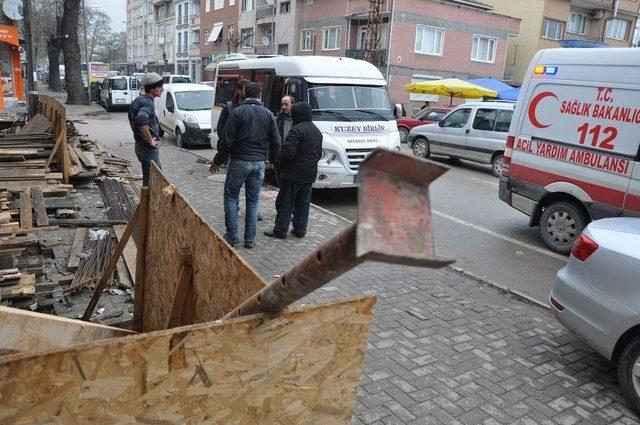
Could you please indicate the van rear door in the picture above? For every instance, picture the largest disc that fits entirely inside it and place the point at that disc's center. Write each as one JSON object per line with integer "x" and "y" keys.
{"x": 120, "y": 92}
{"x": 580, "y": 138}
{"x": 133, "y": 88}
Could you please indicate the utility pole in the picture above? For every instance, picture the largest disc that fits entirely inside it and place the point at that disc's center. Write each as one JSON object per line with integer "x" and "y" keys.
{"x": 32, "y": 101}
{"x": 86, "y": 50}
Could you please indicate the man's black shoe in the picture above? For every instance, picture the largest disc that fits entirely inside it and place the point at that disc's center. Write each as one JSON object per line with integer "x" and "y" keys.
{"x": 259, "y": 217}
{"x": 249, "y": 245}
{"x": 297, "y": 234}
{"x": 272, "y": 234}
{"x": 231, "y": 242}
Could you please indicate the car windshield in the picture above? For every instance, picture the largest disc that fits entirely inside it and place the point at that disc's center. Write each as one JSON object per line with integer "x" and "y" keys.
{"x": 361, "y": 103}
{"x": 181, "y": 80}
{"x": 119, "y": 84}
{"x": 194, "y": 100}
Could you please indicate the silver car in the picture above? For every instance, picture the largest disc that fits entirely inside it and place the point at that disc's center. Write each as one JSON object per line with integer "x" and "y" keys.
{"x": 597, "y": 296}
{"x": 475, "y": 131}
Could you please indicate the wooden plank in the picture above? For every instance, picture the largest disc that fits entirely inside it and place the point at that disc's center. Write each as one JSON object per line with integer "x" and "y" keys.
{"x": 35, "y": 126}
{"x": 38, "y": 204}
{"x": 129, "y": 252}
{"x": 79, "y": 222}
{"x": 124, "y": 277}
{"x": 9, "y": 151}
{"x": 27, "y": 332}
{"x": 76, "y": 249}
{"x": 301, "y": 367}
{"x": 5, "y": 217}
{"x": 18, "y": 241}
{"x": 91, "y": 159}
{"x": 31, "y": 176}
{"x": 108, "y": 271}
{"x": 25, "y": 288}
{"x": 184, "y": 300}
{"x": 141, "y": 245}
{"x": 26, "y": 216}
{"x": 222, "y": 279}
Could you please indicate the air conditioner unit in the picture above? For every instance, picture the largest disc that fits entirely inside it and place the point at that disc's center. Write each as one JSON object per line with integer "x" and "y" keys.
{"x": 596, "y": 14}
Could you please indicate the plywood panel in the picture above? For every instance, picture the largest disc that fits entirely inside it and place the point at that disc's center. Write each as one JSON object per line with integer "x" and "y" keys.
{"x": 28, "y": 332}
{"x": 300, "y": 367}
{"x": 222, "y": 279}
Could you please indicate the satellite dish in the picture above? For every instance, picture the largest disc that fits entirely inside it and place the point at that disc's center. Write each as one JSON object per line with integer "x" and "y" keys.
{"x": 265, "y": 41}
{"x": 13, "y": 9}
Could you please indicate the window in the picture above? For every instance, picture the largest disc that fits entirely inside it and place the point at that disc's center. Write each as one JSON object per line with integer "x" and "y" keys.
{"x": 308, "y": 2}
{"x": 552, "y": 30}
{"x": 247, "y": 5}
{"x": 246, "y": 37}
{"x": 195, "y": 37}
{"x": 218, "y": 4}
{"x": 306, "y": 40}
{"x": 504, "y": 121}
{"x": 577, "y": 23}
{"x": 483, "y": 49}
{"x": 457, "y": 119}
{"x": 429, "y": 40}
{"x": 331, "y": 38}
{"x": 170, "y": 103}
{"x": 485, "y": 119}
{"x": 207, "y": 6}
{"x": 232, "y": 2}
{"x": 285, "y": 6}
{"x": 283, "y": 49}
{"x": 617, "y": 29}
{"x": 230, "y": 32}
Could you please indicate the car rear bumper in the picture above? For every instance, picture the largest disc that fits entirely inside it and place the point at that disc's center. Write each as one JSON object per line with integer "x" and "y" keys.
{"x": 594, "y": 316}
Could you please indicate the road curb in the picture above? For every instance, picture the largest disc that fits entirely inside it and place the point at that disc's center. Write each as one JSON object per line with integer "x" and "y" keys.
{"x": 520, "y": 296}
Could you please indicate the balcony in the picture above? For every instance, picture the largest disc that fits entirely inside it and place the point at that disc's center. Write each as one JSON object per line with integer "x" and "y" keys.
{"x": 194, "y": 50}
{"x": 182, "y": 21}
{"x": 265, "y": 11}
{"x": 182, "y": 52}
{"x": 159, "y": 2}
{"x": 377, "y": 57}
{"x": 194, "y": 20}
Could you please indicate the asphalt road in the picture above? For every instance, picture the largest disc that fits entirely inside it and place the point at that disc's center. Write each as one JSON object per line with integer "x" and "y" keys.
{"x": 486, "y": 237}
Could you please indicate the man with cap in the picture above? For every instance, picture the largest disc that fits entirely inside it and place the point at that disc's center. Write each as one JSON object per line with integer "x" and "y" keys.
{"x": 145, "y": 126}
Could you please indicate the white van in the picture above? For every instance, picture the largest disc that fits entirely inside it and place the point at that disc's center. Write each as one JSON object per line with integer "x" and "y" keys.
{"x": 184, "y": 110}
{"x": 118, "y": 92}
{"x": 475, "y": 131}
{"x": 349, "y": 99}
{"x": 573, "y": 149}
{"x": 175, "y": 79}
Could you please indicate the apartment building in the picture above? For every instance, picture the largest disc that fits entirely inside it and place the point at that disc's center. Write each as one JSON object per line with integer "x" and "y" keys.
{"x": 163, "y": 41}
{"x": 140, "y": 33}
{"x": 219, "y": 35}
{"x": 187, "y": 40}
{"x": 555, "y": 23}
{"x": 421, "y": 39}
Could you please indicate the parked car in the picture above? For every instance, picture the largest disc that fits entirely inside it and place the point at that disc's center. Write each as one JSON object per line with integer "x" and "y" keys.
{"x": 596, "y": 296}
{"x": 476, "y": 131}
{"x": 118, "y": 92}
{"x": 184, "y": 110}
{"x": 426, "y": 116}
{"x": 573, "y": 152}
{"x": 174, "y": 79}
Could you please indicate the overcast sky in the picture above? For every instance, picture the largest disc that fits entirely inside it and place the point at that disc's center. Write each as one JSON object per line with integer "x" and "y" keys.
{"x": 117, "y": 9}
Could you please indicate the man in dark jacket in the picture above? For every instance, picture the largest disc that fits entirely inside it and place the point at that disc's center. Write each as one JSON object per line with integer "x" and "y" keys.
{"x": 238, "y": 97}
{"x": 297, "y": 169}
{"x": 250, "y": 133}
{"x": 283, "y": 119}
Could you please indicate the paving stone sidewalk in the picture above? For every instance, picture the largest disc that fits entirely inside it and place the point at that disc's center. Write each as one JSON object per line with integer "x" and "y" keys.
{"x": 443, "y": 348}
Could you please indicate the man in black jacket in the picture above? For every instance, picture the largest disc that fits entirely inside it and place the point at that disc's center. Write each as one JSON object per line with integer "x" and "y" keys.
{"x": 297, "y": 169}
{"x": 250, "y": 132}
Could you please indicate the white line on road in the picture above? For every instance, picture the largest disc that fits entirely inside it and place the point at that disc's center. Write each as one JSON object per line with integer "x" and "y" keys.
{"x": 500, "y": 236}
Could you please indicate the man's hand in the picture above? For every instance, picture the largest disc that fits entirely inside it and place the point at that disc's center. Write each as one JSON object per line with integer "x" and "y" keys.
{"x": 154, "y": 143}
{"x": 213, "y": 167}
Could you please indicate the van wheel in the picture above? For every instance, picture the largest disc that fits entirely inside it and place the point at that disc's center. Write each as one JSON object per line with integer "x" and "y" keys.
{"x": 560, "y": 225}
{"x": 421, "y": 148}
{"x": 629, "y": 372}
{"x": 496, "y": 164}
{"x": 179, "y": 140}
{"x": 404, "y": 133}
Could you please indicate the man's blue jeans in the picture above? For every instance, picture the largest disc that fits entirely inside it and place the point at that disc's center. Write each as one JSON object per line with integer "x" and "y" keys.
{"x": 251, "y": 174}
{"x": 146, "y": 154}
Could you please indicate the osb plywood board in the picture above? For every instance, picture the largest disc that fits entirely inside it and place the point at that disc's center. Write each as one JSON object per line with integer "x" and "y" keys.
{"x": 222, "y": 279}
{"x": 300, "y": 367}
{"x": 28, "y": 332}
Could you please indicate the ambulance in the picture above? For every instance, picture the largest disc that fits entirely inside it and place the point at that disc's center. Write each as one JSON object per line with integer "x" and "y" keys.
{"x": 572, "y": 153}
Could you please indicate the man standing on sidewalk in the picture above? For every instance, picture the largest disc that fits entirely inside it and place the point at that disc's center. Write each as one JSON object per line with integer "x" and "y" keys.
{"x": 284, "y": 120}
{"x": 238, "y": 97}
{"x": 145, "y": 126}
{"x": 250, "y": 133}
{"x": 297, "y": 169}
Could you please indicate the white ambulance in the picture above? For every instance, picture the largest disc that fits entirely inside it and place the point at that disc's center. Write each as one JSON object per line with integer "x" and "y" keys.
{"x": 349, "y": 99}
{"x": 573, "y": 148}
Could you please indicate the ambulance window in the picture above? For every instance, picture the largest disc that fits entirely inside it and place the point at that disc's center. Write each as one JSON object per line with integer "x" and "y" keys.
{"x": 504, "y": 121}
{"x": 457, "y": 119}
{"x": 485, "y": 119}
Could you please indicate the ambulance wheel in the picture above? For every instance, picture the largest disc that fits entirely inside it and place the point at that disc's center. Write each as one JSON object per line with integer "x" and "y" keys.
{"x": 421, "y": 148}
{"x": 496, "y": 164}
{"x": 560, "y": 225}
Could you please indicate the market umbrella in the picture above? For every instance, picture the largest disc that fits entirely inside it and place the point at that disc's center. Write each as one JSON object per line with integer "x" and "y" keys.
{"x": 451, "y": 87}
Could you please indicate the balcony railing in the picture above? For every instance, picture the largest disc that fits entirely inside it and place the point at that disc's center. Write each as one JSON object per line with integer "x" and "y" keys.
{"x": 377, "y": 57}
{"x": 265, "y": 11}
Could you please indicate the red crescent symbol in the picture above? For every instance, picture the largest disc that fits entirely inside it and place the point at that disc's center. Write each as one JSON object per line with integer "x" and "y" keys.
{"x": 534, "y": 105}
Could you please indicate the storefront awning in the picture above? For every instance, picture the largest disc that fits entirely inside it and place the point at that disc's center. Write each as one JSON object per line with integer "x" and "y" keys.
{"x": 9, "y": 35}
{"x": 215, "y": 32}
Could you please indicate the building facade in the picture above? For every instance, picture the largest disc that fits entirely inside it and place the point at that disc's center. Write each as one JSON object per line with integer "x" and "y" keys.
{"x": 163, "y": 58}
{"x": 420, "y": 39}
{"x": 140, "y": 33}
{"x": 187, "y": 19}
{"x": 219, "y": 33}
{"x": 552, "y": 23}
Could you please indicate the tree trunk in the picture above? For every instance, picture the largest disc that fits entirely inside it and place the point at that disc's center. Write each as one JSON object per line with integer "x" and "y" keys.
{"x": 76, "y": 94}
{"x": 53, "y": 52}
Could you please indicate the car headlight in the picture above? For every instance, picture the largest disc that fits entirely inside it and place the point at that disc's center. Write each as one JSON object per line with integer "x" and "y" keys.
{"x": 190, "y": 119}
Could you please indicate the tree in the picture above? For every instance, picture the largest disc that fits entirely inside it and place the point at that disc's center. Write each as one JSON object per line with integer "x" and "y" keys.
{"x": 114, "y": 50}
{"x": 47, "y": 30}
{"x": 76, "y": 95}
{"x": 98, "y": 31}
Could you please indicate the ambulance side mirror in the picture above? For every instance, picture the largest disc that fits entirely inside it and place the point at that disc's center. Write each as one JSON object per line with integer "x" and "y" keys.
{"x": 397, "y": 110}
